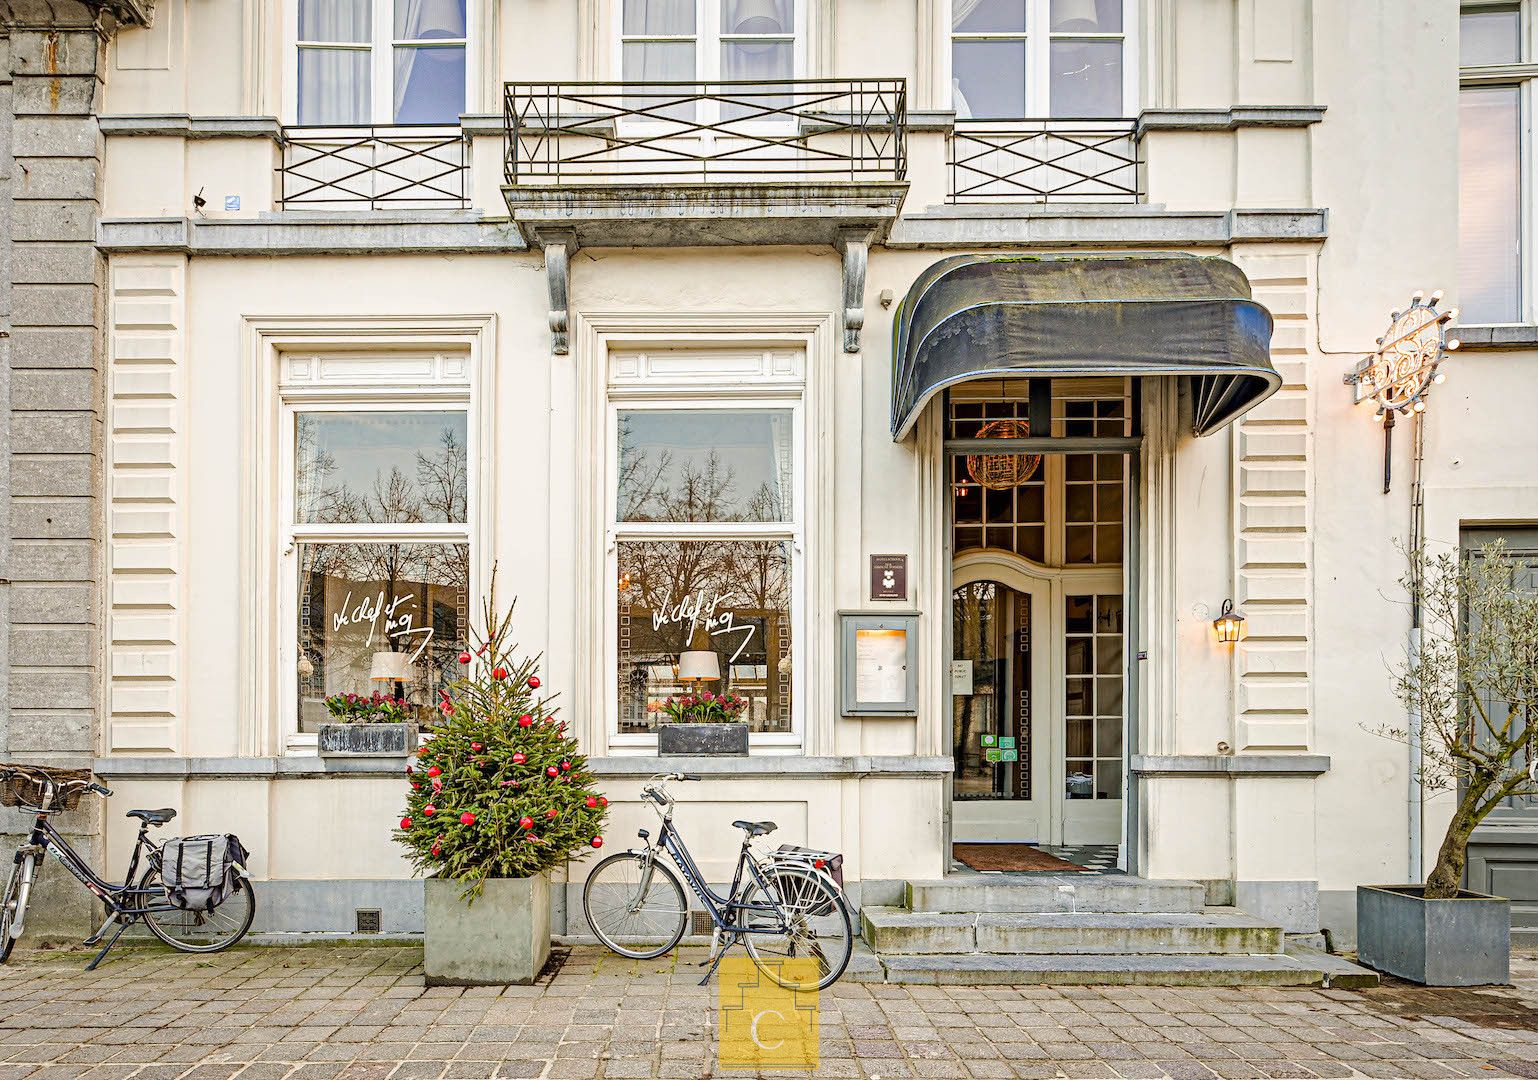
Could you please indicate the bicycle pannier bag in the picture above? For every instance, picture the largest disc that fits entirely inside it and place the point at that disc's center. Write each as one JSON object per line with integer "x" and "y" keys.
{"x": 200, "y": 871}
{"x": 833, "y": 866}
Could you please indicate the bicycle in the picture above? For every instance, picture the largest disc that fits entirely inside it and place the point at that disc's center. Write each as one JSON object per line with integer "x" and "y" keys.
{"x": 45, "y": 792}
{"x": 781, "y": 906}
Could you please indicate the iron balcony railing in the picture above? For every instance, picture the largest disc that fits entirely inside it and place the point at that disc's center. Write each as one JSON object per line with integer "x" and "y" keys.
{"x": 376, "y": 168}
{"x": 679, "y": 132}
{"x": 1042, "y": 161}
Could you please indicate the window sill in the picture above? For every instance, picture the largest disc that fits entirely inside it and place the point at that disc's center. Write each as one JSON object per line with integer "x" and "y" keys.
{"x": 1496, "y": 336}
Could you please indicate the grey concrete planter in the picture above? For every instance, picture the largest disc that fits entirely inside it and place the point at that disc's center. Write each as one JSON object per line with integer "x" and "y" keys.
{"x": 1460, "y": 942}
{"x": 501, "y": 938}
{"x": 366, "y": 740}
{"x": 713, "y": 739}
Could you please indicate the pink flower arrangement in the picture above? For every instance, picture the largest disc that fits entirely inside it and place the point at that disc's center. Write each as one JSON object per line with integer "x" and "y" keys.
{"x": 703, "y": 708}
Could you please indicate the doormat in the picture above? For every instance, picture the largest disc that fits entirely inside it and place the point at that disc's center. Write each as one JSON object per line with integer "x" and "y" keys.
{"x": 1016, "y": 857}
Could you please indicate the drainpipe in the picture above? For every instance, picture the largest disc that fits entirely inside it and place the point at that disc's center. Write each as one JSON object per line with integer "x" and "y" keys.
{"x": 1417, "y": 540}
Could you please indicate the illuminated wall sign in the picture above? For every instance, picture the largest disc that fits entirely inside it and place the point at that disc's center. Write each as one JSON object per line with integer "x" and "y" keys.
{"x": 1404, "y": 368}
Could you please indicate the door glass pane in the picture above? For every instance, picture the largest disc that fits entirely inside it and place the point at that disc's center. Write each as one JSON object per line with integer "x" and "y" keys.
{"x": 647, "y": 17}
{"x": 334, "y": 86}
{"x": 429, "y": 84}
{"x": 1086, "y": 78}
{"x": 336, "y": 20}
{"x": 1086, "y": 16}
{"x": 1489, "y": 37}
{"x": 988, "y": 16}
{"x": 726, "y": 597}
{"x": 386, "y": 618}
{"x": 991, "y": 700}
{"x": 988, "y": 79}
{"x": 1489, "y": 215}
{"x": 380, "y": 467}
{"x": 705, "y": 465}
{"x": 1094, "y": 713}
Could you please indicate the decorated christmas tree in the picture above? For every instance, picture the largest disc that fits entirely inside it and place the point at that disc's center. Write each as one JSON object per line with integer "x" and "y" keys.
{"x": 499, "y": 790}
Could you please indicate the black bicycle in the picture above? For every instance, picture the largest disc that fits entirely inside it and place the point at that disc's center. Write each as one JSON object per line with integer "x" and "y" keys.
{"x": 45, "y": 792}
{"x": 782, "y": 905}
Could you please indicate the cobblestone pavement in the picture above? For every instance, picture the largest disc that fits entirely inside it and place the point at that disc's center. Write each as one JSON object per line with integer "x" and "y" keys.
{"x": 355, "y": 1012}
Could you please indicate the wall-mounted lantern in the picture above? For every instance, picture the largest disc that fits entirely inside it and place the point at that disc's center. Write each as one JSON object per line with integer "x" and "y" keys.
{"x": 1229, "y": 625}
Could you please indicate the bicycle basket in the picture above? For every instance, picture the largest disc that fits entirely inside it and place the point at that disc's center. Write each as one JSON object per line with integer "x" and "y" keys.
{"x": 27, "y": 785}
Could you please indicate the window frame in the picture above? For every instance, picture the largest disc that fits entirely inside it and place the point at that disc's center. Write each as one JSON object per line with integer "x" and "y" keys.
{"x": 292, "y": 533}
{"x": 1523, "y": 75}
{"x": 708, "y": 39}
{"x": 381, "y": 48}
{"x": 1038, "y": 38}
{"x": 677, "y": 399}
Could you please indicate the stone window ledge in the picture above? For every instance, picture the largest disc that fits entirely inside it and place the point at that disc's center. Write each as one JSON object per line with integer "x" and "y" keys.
{"x": 1230, "y": 765}
{"x": 1492, "y": 337}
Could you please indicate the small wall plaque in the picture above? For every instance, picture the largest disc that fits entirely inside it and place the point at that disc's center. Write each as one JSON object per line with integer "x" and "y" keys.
{"x": 889, "y": 577}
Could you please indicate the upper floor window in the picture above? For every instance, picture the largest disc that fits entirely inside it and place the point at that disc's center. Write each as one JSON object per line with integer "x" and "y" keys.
{"x": 708, "y": 40}
{"x": 380, "y": 62}
{"x": 1499, "y": 74}
{"x": 1012, "y": 59}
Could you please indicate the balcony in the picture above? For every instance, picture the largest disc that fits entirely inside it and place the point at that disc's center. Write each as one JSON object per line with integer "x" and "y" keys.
{"x": 368, "y": 168}
{"x": 1044, "y": 161}
{"x": 805, "y": 161}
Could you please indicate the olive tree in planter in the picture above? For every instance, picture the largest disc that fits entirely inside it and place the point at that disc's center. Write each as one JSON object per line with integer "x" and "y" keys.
{"x": 1474, "y": 686}
{"x": 701, "y": 723}
{"x": 499, "y": 796}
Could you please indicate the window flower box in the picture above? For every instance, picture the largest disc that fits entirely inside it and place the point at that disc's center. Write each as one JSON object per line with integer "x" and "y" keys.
{"x": 726, "y": 740}
{"x": 366, "y": 740}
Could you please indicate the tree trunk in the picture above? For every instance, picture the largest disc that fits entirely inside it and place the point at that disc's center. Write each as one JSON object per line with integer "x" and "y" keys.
{"x": 1446, "y": 877}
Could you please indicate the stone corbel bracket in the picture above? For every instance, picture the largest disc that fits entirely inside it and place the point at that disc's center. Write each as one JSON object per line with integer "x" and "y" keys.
{"x": 854, "y": 246}
{"x": 559, "y": 246}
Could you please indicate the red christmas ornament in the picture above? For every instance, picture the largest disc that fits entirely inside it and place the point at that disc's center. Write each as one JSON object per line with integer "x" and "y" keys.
{"x": 533, "y": 682}
{"x": 415, "y": 786}
{"x": 526, "y": 822}
{"x": 434, "y": 771}
{"x": 602, "y": 801}
{"x": 467, "y": 818}
{"x": 552, "y": 771}
{"x": 525, "y": 720}
{"x": 436, "y": 849}
{"x": 476, "y": 747}
{"x": 437, "y": 785}
{"x": 405, "y": 823}
{"x": 499, "y": 673}
{"x": 552, "y": 813}
{"x": 464, "y": 658}
{"x": 519, "y": 759}
{"x": 421, "y": 751}
{"x": 592, "y": 803}
{"x": 598, "y": 841}
{"x": 429, "y": 810}
{"x": 566, "y": 766}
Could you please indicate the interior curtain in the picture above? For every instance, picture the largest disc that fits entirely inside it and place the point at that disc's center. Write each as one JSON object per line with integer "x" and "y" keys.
{"x": 960, "y": 9}
{"x": 334, "y": 83}
{"x": 408, "y": 27}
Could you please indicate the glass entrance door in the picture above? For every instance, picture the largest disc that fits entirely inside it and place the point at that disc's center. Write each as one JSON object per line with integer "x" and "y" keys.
{"x": 996, "y": 674}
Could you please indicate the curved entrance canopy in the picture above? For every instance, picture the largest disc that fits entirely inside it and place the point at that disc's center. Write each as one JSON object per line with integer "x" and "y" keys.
{"x": 980, "y": 316}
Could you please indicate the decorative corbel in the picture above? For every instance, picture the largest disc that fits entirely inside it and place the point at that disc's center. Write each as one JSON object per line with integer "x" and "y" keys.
{"x": 559, "y": 247}
{"x": 854, "y": 245}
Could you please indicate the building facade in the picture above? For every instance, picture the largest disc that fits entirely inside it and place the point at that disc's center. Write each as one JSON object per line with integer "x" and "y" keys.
{"x": 686, "y": 321}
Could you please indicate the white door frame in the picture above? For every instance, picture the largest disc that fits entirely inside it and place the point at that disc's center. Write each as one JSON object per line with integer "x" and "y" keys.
{"x": 1049, "y": 662}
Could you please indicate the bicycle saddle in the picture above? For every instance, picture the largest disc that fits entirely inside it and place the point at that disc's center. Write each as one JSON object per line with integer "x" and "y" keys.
{"x": 153, "y": 817}
{"x": 756, "y": 828}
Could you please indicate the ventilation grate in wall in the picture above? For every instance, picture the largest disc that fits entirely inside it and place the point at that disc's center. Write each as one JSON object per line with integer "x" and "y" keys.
{"x": 367, "y": 920}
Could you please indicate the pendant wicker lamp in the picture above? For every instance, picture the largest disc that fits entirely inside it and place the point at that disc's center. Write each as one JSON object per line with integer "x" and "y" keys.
{"x": 1000, "y": 472}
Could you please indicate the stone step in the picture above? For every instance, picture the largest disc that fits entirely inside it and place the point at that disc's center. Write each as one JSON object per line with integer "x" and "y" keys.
{"x": 984, "y": 969}
{"x": 1078, "y": 893}
{"x": 898, "y": 931}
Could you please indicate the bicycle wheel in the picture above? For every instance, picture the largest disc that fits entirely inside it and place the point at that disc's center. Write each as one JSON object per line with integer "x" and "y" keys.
{"x": 199, "y": 931}
{"x": 820, "y": 928}
{"x": 8, "y": 902}
{"x": 627, "y": 921}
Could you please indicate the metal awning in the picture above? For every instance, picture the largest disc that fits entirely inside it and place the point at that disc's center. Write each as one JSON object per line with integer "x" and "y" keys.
{"x": 990, "y": 316}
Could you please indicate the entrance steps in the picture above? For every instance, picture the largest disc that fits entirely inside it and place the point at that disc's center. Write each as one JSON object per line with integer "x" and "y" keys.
{"x": 1080, "y": 929}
